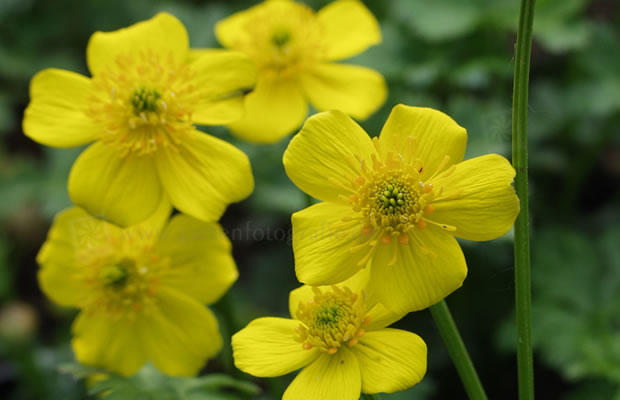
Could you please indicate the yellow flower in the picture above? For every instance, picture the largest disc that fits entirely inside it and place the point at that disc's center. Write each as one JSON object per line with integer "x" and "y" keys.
{"x": 141, "y": 290}
{"x": 338, "y": 336}
{"x": 396, "y": 202}
{"x": 138, "y": 107}
{"x": 294, "y": 49}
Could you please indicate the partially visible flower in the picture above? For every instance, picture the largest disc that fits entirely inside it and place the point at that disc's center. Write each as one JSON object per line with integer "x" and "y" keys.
{"x": 139, "y": 108}
{"x": 141, "y": 290}
{"x": 396, "y": 201}
{"x": 338, "y": 336}
{"x": 294, "y": 49}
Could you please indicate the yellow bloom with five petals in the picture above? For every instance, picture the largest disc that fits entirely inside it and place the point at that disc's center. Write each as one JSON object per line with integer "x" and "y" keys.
{"x": 338, "y": 336}
{"x": 395, "y": 202}
{"x": 141, "y": 290}
{"x": 139, "y": 108}
{"x": 294, "y": 49}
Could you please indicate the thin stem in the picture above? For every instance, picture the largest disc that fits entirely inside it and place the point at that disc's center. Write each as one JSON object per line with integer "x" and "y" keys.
{"x": 452, "y": 338}
{"x": 523, "y": 291}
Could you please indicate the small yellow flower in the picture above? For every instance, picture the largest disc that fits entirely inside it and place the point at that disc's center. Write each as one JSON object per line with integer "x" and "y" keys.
{"x": 141, "y": 290}
{"x": 338, "y": 336}
{"x": 395, "y": 202}
{"x": 294, "y": 49}
{"x": 139, "y": 107}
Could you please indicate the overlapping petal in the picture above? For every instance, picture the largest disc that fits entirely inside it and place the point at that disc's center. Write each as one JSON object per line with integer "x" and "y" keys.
{"x": 56, "y": 115}
{"x": 390, "y": 360}
{"x": 348, "y": 28}
{"x": 204, "y": 175}
{"x": 434, "y": 136}
{"x": 72, "y": 231}
{"x": 329, "y": 377}
{"x": 266, "y": 348}
{"x": 355, "y": 90}
{"x": 163, "y": 35}
{"x": 122, "y": 190}
{"x": 322, "y": 159}
{"x": 200, "y": 256}
{"x": 323, "y": 244}
{"x": 115, "y": 344}
{"x": 478, "y": 198}
{"x": 180, "y": 334}
{"x": 222, "y": 79}
{"x": 415, "y": 276}
{"x": 273, "y": 110}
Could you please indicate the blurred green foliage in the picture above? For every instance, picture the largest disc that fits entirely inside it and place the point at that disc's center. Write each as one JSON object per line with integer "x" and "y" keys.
{"x": 449, "y": 54}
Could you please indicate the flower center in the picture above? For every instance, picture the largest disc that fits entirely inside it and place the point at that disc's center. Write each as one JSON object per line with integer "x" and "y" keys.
{"x": 143, "y": 101}
{"x": 116, "y": 275}
{"x": 283, "y": 39}
{"x": 121, "y": 285}
{"x": 392, "y": 197}
{"x": 331, "y": 319}
{"x": 280, "y": 38}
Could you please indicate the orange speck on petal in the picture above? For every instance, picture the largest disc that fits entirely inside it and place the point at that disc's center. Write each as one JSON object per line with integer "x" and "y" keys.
{"x": 367, "y": 320}
{"x": 386, "y": 239}
{"x": 333, "y": 350}
{"x": 307, "y": 346}
{"x": 428, "y": 188}
{"x": 421, "y": 224}
{"x": 353, "y": 342}
{"x": 366, "y": 230}
{"x": 429, "y": 209}
{"x": 403, "y": 239}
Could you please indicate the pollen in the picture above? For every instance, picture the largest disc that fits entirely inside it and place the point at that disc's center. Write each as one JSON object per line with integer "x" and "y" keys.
{"x": 143, "y": 101}
{"x": 333, "y": 318}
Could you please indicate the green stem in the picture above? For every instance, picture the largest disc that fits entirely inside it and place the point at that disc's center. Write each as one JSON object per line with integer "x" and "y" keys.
{"x": 523, "y": 291}
{"x": 371, "y": 396}
{"x": 452, "y": 338}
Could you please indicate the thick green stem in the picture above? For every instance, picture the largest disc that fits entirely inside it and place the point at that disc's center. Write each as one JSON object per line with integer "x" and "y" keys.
{"x": 452, "y": 338}
{"x": 523, "y": 291}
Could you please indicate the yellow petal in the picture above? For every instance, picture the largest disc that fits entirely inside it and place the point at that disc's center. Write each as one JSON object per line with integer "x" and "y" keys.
{"x": 205, "y": 175}
{"x": 231, "y": 31}
{"x": 329, "y": 377}
{"x": 357, "y": 91}
{"x": 348, "y": 28}
{"x": 112, "y": 343}
{"x": 163, "y": 34}
{"x": 380, "y": 316}
{"x": 151, "y": 228}
{"x": 321, "y": 158}
{"x": 71, "y": 230}
{"x": 56, "y": 113}
{"x": 180, "y": 334}
{"x": 478, "y": 198}
{"x": 267, "y": 348}
{"x": 201, "y": 262}
{"x": 434, "y": 135}
{"x": 391, "y": 360}
{"x": 323, "y": 244}
{"x": 273, "y": 110}
{"x": 222, "y": 79}
{"x": 426, "y": 270}
{"x": 124, "y": 191}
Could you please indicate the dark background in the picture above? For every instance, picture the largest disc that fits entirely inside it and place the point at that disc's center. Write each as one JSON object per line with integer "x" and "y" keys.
{"x": 453, "y": 55}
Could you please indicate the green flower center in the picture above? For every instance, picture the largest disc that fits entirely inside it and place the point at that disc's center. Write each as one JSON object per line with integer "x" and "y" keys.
{"x": 145, "y": 100}
{"x": 116, "y": 275}
{"x": 331, "y": 319}
{"x": 393, "y": 198}
{"x": 281, "y": 38}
